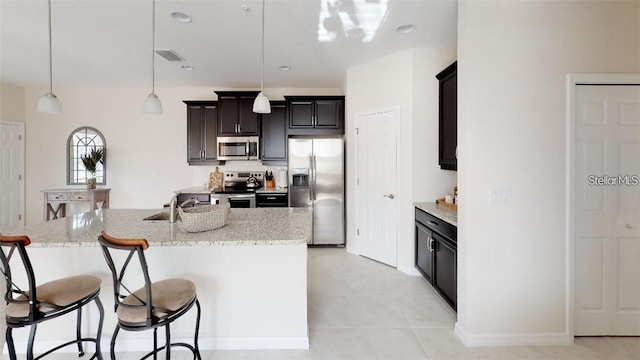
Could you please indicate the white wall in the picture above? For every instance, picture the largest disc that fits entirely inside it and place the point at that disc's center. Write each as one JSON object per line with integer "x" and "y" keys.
{"x": 146, "y": 154}
{"x": 11, "y": 102}
{"x": 405, "y": 80}
{"x": 513, "y": 58}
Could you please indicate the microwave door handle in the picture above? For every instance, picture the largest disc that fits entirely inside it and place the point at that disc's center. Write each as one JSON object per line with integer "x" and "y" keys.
{"x": 247, "y": 149}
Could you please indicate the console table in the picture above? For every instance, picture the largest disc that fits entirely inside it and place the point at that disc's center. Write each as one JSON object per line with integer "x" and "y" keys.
{"x": 56, "y": 200}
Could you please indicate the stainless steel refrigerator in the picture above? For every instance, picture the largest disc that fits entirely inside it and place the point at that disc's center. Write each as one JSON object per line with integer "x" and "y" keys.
{"x": 316, "y": 179}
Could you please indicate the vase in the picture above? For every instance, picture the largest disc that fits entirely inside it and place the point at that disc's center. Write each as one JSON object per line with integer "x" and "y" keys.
{"x": 91, "y": 183}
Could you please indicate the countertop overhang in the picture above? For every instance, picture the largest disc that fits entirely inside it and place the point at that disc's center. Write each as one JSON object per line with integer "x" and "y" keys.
{"x": 440, "y": 212}
{"x": 273, "y": 226}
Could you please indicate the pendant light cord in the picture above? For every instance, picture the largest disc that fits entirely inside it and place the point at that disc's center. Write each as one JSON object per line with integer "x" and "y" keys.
{"x": 50, "y": 56}
{"x": 153, "y": 48}
{"x": 262, "y": 75}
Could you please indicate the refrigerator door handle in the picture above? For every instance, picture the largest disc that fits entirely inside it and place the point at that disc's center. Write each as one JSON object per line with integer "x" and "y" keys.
{"x": 311, "y": 179}
{"x": 315, "y": 172}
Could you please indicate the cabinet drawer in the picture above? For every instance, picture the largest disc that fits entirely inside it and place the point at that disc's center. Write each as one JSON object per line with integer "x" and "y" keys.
{"x": 440, "y": 226}
{"x": 57, "y": 196}
{"x": 202, "y": 198}
{"x": 82, "y": 195}
{"x": 272, "y": 200}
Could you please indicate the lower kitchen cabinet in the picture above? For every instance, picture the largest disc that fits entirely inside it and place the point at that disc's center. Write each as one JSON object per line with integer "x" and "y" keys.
{"x": 436, "y": 254}
{"x": 272, "y": 199}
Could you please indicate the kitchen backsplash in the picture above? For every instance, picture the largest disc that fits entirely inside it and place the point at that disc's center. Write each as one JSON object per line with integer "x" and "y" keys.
{"x": 202, "y": 172}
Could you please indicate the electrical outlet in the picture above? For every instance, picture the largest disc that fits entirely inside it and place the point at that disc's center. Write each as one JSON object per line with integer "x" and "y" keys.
{"x": 500, "y": 196}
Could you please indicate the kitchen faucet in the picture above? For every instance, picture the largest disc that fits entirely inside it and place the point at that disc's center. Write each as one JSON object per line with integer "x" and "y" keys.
{"x": 173, "y": 207}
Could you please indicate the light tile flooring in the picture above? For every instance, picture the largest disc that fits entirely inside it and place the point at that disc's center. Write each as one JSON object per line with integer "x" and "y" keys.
{"x": 361, "y": 309}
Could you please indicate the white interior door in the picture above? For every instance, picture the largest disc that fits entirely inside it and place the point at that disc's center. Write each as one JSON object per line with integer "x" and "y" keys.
{"x": 376, "y": 186}
{"x": 607, "y": 210}
{"x": 11, "y": 178}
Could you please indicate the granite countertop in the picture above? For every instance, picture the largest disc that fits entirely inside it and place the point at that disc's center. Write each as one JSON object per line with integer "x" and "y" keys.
{"x": 273, "y": 226}
{"x": 275, "y": 190}
{"x": 440, "y": 212}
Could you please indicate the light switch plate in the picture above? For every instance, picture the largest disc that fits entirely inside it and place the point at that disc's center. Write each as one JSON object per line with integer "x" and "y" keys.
{"x": 500, "y": 196}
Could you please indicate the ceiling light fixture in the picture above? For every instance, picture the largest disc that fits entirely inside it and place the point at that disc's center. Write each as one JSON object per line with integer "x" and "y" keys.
{"x": 261, "y": 104}
{"x": 405, "y": 29}
{"x": 284, "y": 67}
{"x": 187, "y": 67}
{"x": 49, "y": 102}
{"x": 152, "y": 104}
{"x": 181, "y": 17}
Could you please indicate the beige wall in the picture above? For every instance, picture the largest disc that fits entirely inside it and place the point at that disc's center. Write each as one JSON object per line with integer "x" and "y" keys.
{"x": 11, "y": 102}
{"x": 405, "y": 80}
{"x": 513, "y": 61}
{"x": 146, "y": 154}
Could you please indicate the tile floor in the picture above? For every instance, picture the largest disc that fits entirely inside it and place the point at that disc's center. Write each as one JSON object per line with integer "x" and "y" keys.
{"x": 361, "y": 309}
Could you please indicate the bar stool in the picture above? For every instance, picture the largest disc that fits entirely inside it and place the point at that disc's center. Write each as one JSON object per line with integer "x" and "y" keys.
{"x": 155, "y": 304}
{"x": 29, "y": 305}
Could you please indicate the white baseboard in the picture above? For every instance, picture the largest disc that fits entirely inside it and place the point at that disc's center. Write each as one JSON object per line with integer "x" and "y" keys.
{"x": 527, "y": 339}
{"x": 143, "y": 345}
{"x": 409, "y": 271}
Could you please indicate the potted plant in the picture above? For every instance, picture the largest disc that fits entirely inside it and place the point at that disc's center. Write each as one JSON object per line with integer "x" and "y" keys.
{"x": 90, "y": 162}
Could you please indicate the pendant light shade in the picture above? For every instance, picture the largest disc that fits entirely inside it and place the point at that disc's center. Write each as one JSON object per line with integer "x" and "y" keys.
{"x": 49, "y": 102}
{"x": 152, "y": 104}
{"x": 261, "y": 103}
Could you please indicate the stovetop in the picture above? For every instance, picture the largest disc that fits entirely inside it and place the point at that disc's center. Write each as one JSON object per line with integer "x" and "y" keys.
{"x": 235, "y": 182}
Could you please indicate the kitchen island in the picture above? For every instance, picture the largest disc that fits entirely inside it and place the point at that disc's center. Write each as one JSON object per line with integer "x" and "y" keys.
{"x": 251, "y": 274}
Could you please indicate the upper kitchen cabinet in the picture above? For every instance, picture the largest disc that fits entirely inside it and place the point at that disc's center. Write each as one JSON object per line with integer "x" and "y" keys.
{"x": 315, "y": 115}
{"x": 448, "y": 133}
{"x": 202, "y": 124}
{"x": 235, "y": 113}
{"x": 274, "y": 134}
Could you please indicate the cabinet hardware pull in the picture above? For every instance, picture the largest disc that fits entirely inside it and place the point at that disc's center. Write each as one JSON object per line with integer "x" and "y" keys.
{"x": 433, "y": 223}
{"x": 271, "y": 197}
{"x": 429, "y": 244}
{"x": 390, "y": 196}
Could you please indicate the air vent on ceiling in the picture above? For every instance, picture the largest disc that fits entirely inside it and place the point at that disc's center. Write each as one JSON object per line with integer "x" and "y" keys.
{"x": 169, "y": 54}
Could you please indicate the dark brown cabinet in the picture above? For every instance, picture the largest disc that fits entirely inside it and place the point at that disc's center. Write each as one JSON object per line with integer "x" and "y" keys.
{"x": 274, "y": 134}
{"x": 272, "y": 199}
{"x": 235, "y": 113}
{"x": 436, "y": 254}
{"x": 202, "y": 124}
{"x": 315, "y": 115}
{"x": 448, "y": 118}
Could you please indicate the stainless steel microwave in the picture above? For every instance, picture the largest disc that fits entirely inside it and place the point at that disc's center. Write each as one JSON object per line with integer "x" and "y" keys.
{"x": 239, "y": 148}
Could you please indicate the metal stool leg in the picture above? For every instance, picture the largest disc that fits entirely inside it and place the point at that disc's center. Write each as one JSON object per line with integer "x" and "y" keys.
{"x": 10, "y": 345}
{"x": 113, "y": 342}
{"x": 155, "y": 343}
{"x": 99, "y": 333}
{"x": 168, "y": 341}
{"x": 78, "y": 334}
{"x": 195, "y": 338}
{"x": 32, "y": 336}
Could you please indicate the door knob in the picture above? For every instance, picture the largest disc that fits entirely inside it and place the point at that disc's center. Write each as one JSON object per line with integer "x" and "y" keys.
{"x": 390, "y": 196}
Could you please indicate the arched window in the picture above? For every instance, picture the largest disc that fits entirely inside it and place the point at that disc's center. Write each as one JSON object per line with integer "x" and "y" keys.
{"x": 81, "y": 141}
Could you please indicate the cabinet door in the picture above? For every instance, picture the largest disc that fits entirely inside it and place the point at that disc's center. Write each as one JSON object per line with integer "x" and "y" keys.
{"x": 448, "y": 124}
{"x": 274, "y": 133}
{"x": 445, "y": 265}
{"x": 228, "y": 115}
{"x": 248, "y": 119}
{"x": 423, "y": 251}
{"x": 301, "y": 114}
{"x": 328, "y": 114}
{"x": 210, "y": 132}
{"x": 195, "y": 114}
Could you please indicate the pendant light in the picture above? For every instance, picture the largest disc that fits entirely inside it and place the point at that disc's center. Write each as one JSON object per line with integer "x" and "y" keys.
{"x": 261, "y": 103}
{"x": 49, "y": 102}
{"x": 152, "y": 104}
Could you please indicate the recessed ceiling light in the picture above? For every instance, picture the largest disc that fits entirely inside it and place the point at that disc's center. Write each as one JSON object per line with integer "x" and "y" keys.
{"x": 284, "y": 67}
{"x": 187, "y": 67}
{"x": 181, "y": 17}
{"x": 405, "y": 29}
{"x": 245, "y": 9}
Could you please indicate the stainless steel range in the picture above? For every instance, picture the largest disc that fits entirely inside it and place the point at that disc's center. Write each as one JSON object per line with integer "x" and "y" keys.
{"x": 239, "y": 188}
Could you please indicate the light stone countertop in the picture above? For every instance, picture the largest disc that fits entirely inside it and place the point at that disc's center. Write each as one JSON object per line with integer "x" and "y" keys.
{"x": 440, "y": 212}
{"x": 273, "y": 226}
{"x": 275, "y": 190}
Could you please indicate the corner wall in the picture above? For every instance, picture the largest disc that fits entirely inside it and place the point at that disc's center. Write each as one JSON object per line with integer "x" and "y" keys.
{"x": 11, "y": 102}
{"x": 405, "y": 80}
{"x": 513, "y": 61}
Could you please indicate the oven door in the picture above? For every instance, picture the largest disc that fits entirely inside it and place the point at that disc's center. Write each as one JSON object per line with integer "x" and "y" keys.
{"x": 242, "y": 200}
{"x": 238, "y": 148}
